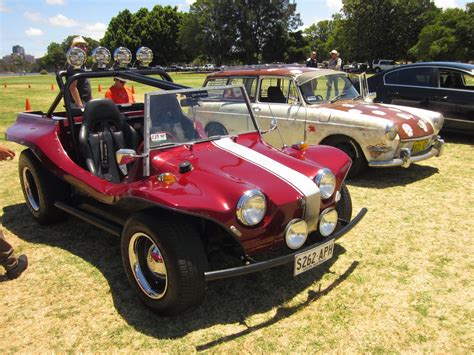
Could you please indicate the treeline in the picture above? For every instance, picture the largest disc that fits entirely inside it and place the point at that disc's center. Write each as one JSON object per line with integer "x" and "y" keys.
{"x": 263, "y": 31}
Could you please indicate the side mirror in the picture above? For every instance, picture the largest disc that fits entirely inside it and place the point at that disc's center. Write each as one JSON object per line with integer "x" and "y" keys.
{"x": 370, "y": 97}
{"x": 126, "y": 156}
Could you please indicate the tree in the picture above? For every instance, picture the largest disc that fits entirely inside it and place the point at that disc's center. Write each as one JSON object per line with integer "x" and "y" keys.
{"x": 449, "y": 37}
{"x": 157, "y": 29}
{"x": 384, "y": 28}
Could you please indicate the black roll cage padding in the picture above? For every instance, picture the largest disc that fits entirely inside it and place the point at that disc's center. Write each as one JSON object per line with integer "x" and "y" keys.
{"x": 137, "y": 75}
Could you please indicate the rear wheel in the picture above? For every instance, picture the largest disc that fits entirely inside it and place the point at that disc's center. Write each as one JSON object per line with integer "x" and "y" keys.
{"x": 352, "y": 149}
{"x": 41, "y": 189}
{"x": 164, "y": 260}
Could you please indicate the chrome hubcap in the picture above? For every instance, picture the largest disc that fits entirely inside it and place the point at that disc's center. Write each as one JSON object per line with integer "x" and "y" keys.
{"x": 148, "y": 265}
{"x": 30, "y": 189}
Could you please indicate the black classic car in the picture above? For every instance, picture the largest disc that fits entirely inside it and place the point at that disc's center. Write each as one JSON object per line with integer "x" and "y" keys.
{"x": 445, "y": 87}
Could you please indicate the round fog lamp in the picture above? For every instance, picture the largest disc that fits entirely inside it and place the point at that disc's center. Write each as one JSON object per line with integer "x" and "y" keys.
{"x": 101, "y": 56}
{"x": 327, "y": 222}
{"x": 122, "y": 56}
{"x": 144, "y": 56}
{"x": 326, "y": 182}
{"x": 76, "y": 57}
{"x": 296, "y": 233}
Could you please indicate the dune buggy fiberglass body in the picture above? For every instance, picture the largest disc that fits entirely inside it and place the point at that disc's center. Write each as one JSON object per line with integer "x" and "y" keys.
{"x": 154, "y": 174}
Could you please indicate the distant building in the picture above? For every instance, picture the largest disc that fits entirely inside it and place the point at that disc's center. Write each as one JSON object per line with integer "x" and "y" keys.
{"x": 18, "y": 50}
{"x": 29, "y": 58}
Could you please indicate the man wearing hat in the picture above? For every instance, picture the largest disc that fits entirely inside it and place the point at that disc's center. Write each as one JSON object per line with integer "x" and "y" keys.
{"x": 335, "y": 63}
{"x": 118, "y": 93}
{"x": 81, "y": 88}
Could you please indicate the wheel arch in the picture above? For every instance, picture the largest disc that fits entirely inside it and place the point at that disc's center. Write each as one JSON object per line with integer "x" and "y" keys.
{"x": 327, "y": 141}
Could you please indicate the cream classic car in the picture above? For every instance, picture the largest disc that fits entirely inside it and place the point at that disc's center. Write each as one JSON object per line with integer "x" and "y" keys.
{"x": 321, "y": 106}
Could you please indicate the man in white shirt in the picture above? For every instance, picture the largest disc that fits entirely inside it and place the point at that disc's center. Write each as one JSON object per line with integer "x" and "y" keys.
{"x": 335, "y": 63}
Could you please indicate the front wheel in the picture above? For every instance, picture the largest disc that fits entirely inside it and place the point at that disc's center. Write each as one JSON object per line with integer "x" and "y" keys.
{"x": 352, "y": 149}
{"x": 164, "y": 260}
{"x": 344, "y": 205}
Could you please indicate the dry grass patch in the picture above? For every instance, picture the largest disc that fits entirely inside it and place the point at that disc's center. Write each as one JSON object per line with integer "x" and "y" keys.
{"x": 402, "y": 281}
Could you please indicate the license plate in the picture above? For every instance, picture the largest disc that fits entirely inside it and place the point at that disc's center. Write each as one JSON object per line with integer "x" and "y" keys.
{"x": 313, "y": 257}
{"x": 418, "y": 146}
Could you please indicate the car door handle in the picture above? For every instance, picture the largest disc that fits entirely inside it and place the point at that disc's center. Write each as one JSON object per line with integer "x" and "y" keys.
{"x": 256, "y": 109}
{"x": 441, "y": 98}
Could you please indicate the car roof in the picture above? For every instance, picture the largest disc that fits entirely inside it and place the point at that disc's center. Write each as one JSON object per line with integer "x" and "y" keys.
{"x": 299, "y": 73}
{"x": 453, "y": 65}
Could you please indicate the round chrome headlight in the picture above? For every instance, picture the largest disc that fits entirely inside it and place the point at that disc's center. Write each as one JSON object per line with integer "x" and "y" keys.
{"x": 144, "y": 56}
{"x": 122, "y": 56}
{"x": 391, "y": 131}
{"x": 296, "y": 233}
{"x": 101, "y": 56}
{"x": 251, "y": 207}
{"x": 326, "y": 182}
{"x": 76, "y": 57}
{"x": 327, "y": 221}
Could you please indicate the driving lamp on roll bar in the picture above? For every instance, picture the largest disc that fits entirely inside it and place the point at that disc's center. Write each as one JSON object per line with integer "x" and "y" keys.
{"x": 144, "y": 56}
{"x": 76, "y": 57}
{"x": 101, "y": 56}
{"x": 122, "y": 56}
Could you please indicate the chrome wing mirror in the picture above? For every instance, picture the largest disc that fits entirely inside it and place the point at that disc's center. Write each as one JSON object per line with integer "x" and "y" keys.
{"x": 127, "y": 156}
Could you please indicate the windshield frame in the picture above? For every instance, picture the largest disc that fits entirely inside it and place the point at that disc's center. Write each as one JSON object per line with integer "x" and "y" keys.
{"x": 147, "y": 119}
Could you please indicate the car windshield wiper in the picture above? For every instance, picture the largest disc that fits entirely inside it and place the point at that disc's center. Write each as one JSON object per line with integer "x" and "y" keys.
{"x": 335, "y": 98}
{"x": 166, "y": 144}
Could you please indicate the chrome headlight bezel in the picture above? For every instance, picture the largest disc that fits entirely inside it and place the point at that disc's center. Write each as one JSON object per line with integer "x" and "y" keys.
{"x": 328, "y": 222}
{"x": 391, "y": 131}
{"x": 247, "y": 214}
{"x": 326, "y": 181}
{"x": 296, "y": 233}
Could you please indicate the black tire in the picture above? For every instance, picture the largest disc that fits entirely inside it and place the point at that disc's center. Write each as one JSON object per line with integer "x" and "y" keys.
{"x": 170, "y": 256}
{"x": 352, "y": 149}
{"x": 377, "y": 70}
{"x": 344, "y": 206}
{"x": 41, "y": 189}
{"x": 215, "y": 129}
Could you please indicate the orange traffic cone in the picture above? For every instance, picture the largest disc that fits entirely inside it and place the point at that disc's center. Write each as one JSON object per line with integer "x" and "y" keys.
{"x": 99, "y": 89}
{"x": 52, "y": 87}
{"x": 29, "y": 86}
{"x": 5, "y": 86}
{"x": 27, "y": 105}
{"x": 133, "y": 90}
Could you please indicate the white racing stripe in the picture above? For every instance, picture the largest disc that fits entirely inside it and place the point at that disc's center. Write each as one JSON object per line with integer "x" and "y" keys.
{"x": 298, "y": 181}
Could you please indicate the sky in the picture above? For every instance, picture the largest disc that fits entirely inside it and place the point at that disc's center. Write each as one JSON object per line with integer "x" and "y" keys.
{"x": 34, "y": 24}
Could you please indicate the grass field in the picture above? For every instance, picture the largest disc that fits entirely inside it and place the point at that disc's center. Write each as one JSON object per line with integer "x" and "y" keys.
{"x": 402, "y": 281}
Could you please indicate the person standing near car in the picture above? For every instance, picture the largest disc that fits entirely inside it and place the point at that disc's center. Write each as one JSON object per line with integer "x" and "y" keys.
{"x": 335, "y": 63}
{"x": 312, "y": 62}
{"x": 13, "y": 266}
{"x": 119, "y": 93}
{"x": 80, "y": 89}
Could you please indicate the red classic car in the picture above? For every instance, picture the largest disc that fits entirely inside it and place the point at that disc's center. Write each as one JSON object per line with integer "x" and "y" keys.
{"x": 148, "y": 173}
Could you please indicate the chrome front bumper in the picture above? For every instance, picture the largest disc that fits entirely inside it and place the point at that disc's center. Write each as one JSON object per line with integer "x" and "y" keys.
{"x": 405, "y": 159}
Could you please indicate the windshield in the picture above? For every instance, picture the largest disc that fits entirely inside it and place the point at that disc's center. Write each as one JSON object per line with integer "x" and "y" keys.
{"x": 195, "y": 115}
{"x": 328, "y": 88}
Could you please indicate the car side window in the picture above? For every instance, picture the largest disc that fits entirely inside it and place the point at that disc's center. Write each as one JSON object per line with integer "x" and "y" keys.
{"x": 250, "y": 85}
{"x": 274, "y": 90}
{"x": 410, "y": 77}
{"x": 216, "y": 82}
{"x": 453, "y": 79}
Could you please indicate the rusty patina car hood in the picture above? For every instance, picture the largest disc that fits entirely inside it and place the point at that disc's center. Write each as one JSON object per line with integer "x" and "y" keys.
{"x": 409, "y": 125}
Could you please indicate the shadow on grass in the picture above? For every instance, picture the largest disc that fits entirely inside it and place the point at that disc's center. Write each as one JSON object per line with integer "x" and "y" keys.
{"x": 388, "y": 177}
{"x": 227, "y": 301}
{"x": 455, "y": 138}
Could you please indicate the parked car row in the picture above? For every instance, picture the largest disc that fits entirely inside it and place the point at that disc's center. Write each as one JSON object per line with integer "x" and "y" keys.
{"x": 188, "y": 68}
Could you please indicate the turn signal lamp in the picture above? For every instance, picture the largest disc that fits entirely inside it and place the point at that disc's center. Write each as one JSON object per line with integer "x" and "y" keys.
{"x": 122, "y": 56}
{"x": 76, "y": 57}
{"x": 101, "y": 56}
{"x": 144, "y": 56}
{"x": 300, "y": 146}
{"x": 167, "y": 178}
